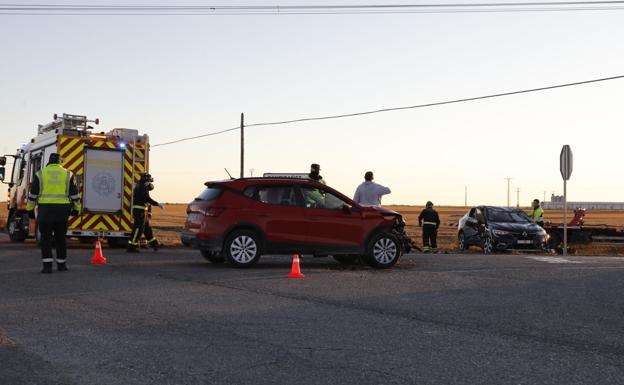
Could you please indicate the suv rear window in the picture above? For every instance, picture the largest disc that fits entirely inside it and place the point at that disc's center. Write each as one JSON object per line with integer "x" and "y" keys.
{"x": 210, "y": 194}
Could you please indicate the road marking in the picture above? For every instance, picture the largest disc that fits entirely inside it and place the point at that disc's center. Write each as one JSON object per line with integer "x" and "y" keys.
{"x": 553, "y": 260}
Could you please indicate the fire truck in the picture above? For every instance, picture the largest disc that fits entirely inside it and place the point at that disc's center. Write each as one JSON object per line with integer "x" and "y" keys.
{"x": 106, "y": 166}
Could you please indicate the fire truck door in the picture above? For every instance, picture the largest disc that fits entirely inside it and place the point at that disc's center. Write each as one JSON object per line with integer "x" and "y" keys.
{"x": 103, "y": 180}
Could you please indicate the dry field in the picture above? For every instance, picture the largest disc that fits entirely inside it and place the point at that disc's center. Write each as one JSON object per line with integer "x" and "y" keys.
{"x": 168, "y": 224}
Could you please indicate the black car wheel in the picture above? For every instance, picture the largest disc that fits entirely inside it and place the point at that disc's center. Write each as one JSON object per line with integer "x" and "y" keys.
{"x": 383, "y": 251}
{"x": 14, "y": 228}
{"x": 242, "y": 248}
{"x": 487, "y": 244}
{"x": 212, "y": 256}
{"x": 461, "y": 241}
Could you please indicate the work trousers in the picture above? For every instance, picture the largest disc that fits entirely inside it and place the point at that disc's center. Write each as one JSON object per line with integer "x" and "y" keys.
{"x": 429, "y": 235}
{"x": 141, "y": 226}
{"x": 56, "y": 231}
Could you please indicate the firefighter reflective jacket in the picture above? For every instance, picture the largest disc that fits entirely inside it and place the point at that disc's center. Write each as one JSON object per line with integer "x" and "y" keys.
{"x": 53, "y": 185}
{"x": 537, "y": 215}
{"x": 429, "y": 217}
{"x": 142, "y": 197}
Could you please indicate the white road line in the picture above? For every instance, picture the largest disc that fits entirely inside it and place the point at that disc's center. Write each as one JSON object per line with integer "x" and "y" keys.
{"x": 553, "y": 260}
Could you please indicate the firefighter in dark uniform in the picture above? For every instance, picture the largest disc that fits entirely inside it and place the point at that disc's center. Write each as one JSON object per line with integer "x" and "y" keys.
{"x": 429, "y": 221}
{"x": 55, "y": 192}
{"x": 140, "y": 207}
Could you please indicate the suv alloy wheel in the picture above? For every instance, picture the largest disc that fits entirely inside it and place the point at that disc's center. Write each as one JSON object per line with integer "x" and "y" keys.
{"x": 383, "y": 251}
{"x": 242, "y": 248}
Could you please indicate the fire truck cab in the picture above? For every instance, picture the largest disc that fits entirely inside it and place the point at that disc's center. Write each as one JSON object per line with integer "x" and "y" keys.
{"x": 106, "y": 167}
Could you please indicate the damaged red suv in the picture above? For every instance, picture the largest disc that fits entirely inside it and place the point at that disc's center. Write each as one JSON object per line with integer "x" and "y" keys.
{"x": 239, "y": 220}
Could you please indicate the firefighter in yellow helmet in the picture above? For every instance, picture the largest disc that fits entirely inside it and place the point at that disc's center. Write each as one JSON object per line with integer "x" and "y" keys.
{"x": 55, "y": 193}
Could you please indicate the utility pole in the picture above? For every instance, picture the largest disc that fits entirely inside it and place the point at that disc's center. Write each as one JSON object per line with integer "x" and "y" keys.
{"x": 518, "y": 197}
{"x": 466, "y": 196}
{"x": 544, "y": 197}
{"x": 508, "y": 181}
{"x": 242, "y": 150}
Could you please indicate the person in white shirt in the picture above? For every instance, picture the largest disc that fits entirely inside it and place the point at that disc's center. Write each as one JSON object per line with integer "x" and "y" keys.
{"x": 369, "y": 193}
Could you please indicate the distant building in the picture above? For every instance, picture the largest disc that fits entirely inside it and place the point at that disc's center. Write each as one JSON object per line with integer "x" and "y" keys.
{"x": 556, "y": 203}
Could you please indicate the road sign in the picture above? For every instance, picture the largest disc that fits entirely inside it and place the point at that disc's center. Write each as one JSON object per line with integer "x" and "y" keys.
{"x": 565, "y": 166}
{"x": 565, "y": 162}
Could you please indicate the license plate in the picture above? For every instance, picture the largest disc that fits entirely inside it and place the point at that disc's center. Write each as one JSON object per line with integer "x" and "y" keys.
{"x": 525, "y": 241}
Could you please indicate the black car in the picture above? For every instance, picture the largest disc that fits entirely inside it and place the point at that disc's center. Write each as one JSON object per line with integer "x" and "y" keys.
{"x": 499, "y": 229}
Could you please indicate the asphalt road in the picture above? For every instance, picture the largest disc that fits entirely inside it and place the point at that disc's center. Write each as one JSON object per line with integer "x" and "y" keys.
{"x": 171, "y": 318}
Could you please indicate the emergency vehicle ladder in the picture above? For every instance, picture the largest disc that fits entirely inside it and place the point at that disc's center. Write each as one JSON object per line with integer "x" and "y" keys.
{"x": 136, "y": 160}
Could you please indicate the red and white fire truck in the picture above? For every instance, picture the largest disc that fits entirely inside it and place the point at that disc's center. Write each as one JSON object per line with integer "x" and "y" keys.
{"x": 106, "y": 166}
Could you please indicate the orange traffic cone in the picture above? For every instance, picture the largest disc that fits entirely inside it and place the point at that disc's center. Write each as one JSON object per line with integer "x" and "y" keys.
{"x": 98, "y": 257}
{"x": 295, "y": 272}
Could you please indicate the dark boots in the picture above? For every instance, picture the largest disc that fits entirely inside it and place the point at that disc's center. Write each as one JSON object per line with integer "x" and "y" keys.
{"x": 154, "y": 245}
{"x": 61, "y": 267}
{"x": 47, "y": 268}
{"x": 132, "y": 248}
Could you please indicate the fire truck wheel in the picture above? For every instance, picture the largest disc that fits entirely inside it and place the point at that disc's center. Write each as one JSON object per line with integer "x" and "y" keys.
{"x": 117, "y": 243}
{"x": 16, "y": 233}
{"x": 212, "y": 256}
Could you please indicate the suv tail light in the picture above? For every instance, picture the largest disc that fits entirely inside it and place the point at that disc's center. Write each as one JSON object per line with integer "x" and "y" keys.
{"x": 212, "y": 211}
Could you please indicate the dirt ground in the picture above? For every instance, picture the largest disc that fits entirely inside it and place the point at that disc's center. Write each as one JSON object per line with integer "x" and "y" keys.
{"x": 169, "y": 222}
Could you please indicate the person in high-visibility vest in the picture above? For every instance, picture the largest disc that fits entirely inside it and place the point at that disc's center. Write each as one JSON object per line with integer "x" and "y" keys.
{"x": 429, "y": 221}
{"x": 140, "y": 206}
{"x": 537, "y": 216}
{"x": 54, "y": 191}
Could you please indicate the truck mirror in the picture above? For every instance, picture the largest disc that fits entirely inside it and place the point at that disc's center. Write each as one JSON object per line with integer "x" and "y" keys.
{"x": 2, "y": 160}
{"x": 1, "y": 174}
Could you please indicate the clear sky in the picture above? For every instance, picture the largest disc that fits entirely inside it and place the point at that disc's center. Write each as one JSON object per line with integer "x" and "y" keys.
{"x": 178, "y": 76}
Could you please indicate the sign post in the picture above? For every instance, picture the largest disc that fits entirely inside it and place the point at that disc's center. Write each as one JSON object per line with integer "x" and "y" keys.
{"x": 565, "y": 166}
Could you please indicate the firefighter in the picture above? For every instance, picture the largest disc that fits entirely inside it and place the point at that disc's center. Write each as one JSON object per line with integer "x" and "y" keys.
{"x": 55, "y": 192}
{"x": 429, "y": 221}
{"x": 537, "y": 216}
{"x": 140, "y": 207}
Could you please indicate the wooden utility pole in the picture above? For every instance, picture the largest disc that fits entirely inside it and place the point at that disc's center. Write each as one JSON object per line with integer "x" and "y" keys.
{"x": 242, "y": 150}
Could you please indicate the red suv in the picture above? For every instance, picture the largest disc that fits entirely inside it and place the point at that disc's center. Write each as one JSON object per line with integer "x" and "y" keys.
{"x": 238, "y": 220}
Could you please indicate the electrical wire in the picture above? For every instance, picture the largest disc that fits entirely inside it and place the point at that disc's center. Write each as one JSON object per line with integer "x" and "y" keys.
{"x": 389, "y": 109}
{"x": 168, "y": 10}
{"x": 518, "y": 10}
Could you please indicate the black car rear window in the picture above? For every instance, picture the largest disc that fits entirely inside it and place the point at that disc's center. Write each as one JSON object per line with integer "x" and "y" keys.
{"x": 210, "y": 194}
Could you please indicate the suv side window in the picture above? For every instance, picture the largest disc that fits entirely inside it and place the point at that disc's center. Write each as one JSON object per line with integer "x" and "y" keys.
{"x": 321, "y": 199}
{"x": 273, "y": 195}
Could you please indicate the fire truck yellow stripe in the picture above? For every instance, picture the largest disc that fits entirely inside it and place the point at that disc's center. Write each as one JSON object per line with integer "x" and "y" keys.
{"x": 90, "y": 221}
{"x": 70, "y": 157}
{"x": 67, "y": 145}
{"x": 108, "y": 219}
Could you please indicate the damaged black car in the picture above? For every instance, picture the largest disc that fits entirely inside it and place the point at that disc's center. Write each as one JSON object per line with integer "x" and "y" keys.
{"x": 499, "y": 229}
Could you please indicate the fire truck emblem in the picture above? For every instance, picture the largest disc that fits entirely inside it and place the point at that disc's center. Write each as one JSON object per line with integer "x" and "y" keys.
{"x": 103, "y": 183}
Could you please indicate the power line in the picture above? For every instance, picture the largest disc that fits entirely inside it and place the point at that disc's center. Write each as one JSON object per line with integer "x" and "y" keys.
{"x": 287, "y": 13}
{"x": 530, "y": 6}
{"x": 370, "y": 112}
